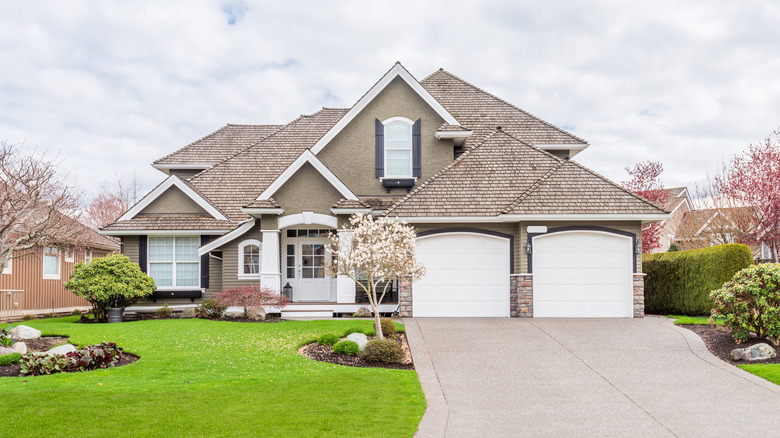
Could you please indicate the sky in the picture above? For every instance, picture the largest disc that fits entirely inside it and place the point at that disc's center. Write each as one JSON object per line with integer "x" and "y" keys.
{"x": 108, "y": 87}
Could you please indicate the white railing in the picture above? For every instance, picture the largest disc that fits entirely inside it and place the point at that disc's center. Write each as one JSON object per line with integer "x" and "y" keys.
{"x": 11, "y": 303}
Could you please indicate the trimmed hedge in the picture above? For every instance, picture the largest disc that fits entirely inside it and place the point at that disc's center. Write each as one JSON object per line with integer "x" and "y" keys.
{"x": 679, "y": 283}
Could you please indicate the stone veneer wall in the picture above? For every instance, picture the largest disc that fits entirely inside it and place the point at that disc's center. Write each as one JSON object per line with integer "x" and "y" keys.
{"x": 405, "y": 299}
{"x": 521, "y": 296}
{"x": 639, "y": 295}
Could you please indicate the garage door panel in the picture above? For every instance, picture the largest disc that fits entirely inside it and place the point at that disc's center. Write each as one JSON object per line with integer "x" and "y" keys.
{"x": 582, "y": 274}
{"x": 467, "y": 274}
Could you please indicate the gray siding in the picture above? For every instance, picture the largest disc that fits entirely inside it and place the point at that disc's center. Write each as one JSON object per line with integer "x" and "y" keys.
{"x": 230, "y": 259}
{"x": 130, "y": 248}
{"x": 215, "y": 278}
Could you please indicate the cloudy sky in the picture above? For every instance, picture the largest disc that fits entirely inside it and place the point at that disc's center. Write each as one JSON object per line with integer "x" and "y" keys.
{"x": 112, "y": 86}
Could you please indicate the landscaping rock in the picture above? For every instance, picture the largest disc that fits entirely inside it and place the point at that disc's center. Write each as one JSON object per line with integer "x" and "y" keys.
{"x": 234, "y": 314}
{"x": 359, "y": 338}
{"x": 256, "y": 313}
{"x": 19, "y": 347}
{"x": 363, "y": 312}
{"x": 754, "y": 352}
{"x": 62, "y": 349}
{"x": 188, "y": 312}
{"x": 4, "y": 351}
{"x": 24, "y": 332}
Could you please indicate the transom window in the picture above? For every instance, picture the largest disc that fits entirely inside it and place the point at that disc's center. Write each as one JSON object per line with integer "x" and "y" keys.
{"x": 249, "y": 258}
{"x": 398, "y": 149}
{"x": 174, "y": 261}
{"x": 51, "y": 263}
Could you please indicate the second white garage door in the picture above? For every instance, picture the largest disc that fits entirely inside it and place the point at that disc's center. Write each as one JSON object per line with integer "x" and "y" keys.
{"x": 583, "y": 274}
{"x": 467, "y": 275}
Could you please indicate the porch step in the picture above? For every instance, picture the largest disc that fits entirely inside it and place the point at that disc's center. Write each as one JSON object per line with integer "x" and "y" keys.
{"x": 303, "y": 313}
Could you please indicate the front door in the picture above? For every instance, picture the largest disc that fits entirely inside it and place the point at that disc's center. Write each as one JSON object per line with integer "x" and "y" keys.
{"x": 305, "y": 260}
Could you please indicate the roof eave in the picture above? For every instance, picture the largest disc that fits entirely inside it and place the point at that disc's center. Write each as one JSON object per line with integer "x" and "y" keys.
{"x": 644, "y": 218}
{"x": 573, "y": 148}
{"x": 255, "y": 211}
{"x": 161, "y": 232}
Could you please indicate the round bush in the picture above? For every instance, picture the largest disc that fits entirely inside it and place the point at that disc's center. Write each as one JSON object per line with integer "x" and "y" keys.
{"x": 388, "y": 326}
{"x": 328, "y": 339}
{"x": 350, "y": 348}
{"x": 383, "y": 350}
{"x": 750, "y": 302}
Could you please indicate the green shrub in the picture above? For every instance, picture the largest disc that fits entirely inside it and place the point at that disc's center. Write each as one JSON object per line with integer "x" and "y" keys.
{"x": 750, "y": 302}
{"x": 210, "y": 309}
{"x": 680, "y": 282}
{"x": 383, "y": 350}
{"x": 10, "y": 359}
{"x": 28, "y": 317}
{"x": 111, "y": 281}
{"x": 388, "y": 327}
{"x": 43, "y": 364}
{"x": 351, "y": 330}
{"x": 76, "y": 312}
{"x": 328, "y": 339}
{"x": 164, "y": 311}
{"x": 350, "y": 348}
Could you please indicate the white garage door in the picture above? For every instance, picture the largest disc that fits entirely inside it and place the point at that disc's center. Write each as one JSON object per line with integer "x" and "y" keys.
{"x": 467, "y": 274}
{"x": 582, "y": 274}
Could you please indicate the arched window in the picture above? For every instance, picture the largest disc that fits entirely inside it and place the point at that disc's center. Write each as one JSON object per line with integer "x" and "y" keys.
{"x": 249, "y": 259}
{"x": 398, "y": 148}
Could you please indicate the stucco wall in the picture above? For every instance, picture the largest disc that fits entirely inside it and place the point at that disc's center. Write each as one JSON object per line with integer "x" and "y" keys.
{"x": 307, "y": 190}
{"x": 351, "y": 154}
{"x": 173, "y": 200}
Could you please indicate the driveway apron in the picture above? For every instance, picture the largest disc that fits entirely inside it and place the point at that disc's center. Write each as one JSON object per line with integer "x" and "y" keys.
{"x": 582, "y": 377}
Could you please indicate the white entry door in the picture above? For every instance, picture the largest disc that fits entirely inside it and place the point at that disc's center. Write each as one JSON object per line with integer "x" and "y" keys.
{"x": 305, "y": 259}
{"x": 583, "y": 274}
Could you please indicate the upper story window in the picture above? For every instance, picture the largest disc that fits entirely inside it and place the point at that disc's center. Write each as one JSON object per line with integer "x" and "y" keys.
{"x": 398, "y": 149}
{"x": 51, "y": 263}
{"x": 174, "y": 261}
{"x": 249, "y": 258}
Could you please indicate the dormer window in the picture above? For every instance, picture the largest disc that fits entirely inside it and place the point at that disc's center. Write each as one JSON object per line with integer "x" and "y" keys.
{"x": 398, "y": 151}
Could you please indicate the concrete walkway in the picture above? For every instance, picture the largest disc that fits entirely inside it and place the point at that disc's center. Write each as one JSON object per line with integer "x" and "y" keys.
{"x": 582, "y": 377}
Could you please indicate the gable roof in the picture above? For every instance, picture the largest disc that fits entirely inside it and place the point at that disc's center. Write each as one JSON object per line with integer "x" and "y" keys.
{"x": 482, "y": 112}
{"x": 215, "y": 147}
{"x": 505, "y": 176}
{"x": 307, "y": 157}
{"x": 397, "y": 71}
{"x": 188, "y": 189}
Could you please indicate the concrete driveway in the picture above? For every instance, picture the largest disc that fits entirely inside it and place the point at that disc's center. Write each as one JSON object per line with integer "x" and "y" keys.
{"x": 582, "y": 377}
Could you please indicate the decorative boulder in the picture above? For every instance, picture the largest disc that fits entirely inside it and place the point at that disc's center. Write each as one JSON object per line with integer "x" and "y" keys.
{"x": 24, "y": 332}
{"x": 359, "y": 338}
{"x": 363, "y": 312}
{"x": 188, "y": 312}
{"x": 19, "y": 347}
{"x": 62, "y": 349}
{"x": 256, "y": 313}
{"x": 4, "y": 351}
{"x": 234, "y": 314}
{"x": 754, "y": 352}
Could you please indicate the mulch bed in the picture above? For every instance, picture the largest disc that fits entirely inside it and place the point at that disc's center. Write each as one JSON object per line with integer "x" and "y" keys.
{"x": 45, "y": 343}
{"x": 324, "y": 353}
{"x": 720, "y": 343}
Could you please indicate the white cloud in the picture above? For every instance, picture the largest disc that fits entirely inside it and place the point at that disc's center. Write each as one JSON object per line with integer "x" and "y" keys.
{"x": 116, "y": 85}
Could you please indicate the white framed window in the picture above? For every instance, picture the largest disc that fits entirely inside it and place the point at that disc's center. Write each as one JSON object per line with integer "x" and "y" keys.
{"x": 69, "y": 256}
{"x": 9, "y": 267}
{"x": 249, "y": 258}
{"x": 87, "y": 256}
{"x": 398, "y": 147}
{"x": 51, "y": 263}
{"x": 174, "y": 262}
{"x": 766, "y": 251}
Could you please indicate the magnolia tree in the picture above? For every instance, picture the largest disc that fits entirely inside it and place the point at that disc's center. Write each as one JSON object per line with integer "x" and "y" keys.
{"x": 753, "y": 179}
{"x": 646, "y": 183}
{"x": 35, "y": 204}
{"x": 373, "y": 252}
{"x": 114, "y": 200}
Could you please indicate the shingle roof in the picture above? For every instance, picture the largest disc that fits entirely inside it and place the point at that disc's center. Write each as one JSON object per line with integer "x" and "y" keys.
{"x": 482, "y": 112}
{"x": 347, "y": 203}
{"x": 238, "y": 181}
{"x": 263, "y": 203}
{"x": 170, "y": 222}
{"x": 219, "y": 145}
{"x": 505, "y": 175}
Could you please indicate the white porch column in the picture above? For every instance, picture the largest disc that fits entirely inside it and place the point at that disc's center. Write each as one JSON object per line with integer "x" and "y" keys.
{"x": 345, "y": 286}
{"x": 270, "y": 269}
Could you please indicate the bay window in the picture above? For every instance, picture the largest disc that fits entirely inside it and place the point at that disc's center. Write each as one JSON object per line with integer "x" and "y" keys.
{"x": 174, "y": 261}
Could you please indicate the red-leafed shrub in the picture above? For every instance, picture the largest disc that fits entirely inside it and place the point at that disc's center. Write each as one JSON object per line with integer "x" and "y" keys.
{"x": 251, "y": 295}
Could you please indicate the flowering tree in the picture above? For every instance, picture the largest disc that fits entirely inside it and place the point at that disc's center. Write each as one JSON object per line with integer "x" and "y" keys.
{"x": 646, "y": 183}
{"x": 372, "y": 252}
{"x": 35, "y": 202}
{"x": 108, "y": 205}
{"x": 753, "y": 179}
{"x": 251, "y": 295}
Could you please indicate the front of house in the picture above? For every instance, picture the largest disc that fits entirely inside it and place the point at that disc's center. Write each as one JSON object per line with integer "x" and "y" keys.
{"x": 508, "y": 225}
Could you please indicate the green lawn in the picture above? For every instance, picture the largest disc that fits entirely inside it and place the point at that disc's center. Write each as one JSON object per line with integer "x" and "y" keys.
{"x": 769, "y": 372}
{"x": 200, "y": 378}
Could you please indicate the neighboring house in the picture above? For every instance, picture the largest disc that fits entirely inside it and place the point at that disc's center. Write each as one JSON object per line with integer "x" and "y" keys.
{"x": 32, "y": 281}
{"x": 507, "y": 224}
{"x": 679, "y": 203}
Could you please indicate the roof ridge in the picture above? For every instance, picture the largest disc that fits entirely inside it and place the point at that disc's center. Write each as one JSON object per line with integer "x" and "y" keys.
{"x": 441, "y": 172}
{"x": 441, "y": 70}
{"x": 192, "y": 143}
{"x": 519, "y": 200}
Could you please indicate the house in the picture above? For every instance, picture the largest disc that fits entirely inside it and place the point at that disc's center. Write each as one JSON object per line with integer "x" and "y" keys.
{"x": 508, "y": 224}
{"x": 678, "y": 201}
{"x": 32, "y": 281}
